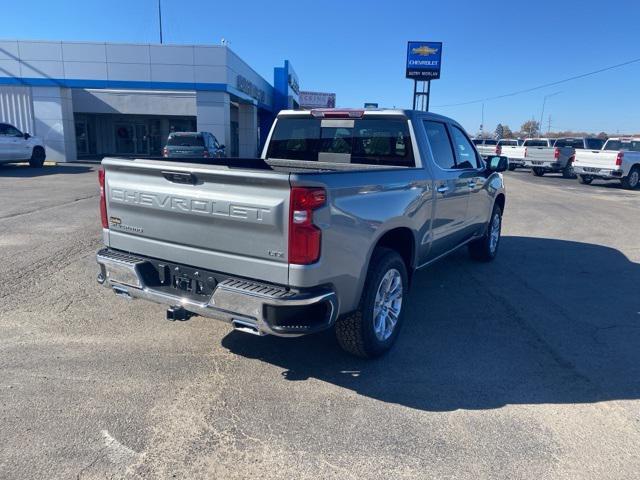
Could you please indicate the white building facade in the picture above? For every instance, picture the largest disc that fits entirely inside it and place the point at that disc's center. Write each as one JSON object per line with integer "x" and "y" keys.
{"x": 89, "y": 100}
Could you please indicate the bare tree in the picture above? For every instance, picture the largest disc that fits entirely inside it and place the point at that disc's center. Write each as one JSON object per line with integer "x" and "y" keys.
{"x": 530, "y": 128}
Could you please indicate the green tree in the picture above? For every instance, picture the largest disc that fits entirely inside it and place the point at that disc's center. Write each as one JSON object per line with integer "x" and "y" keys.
{"x": 506, "y": 132}
{"x": 499, "y": 133}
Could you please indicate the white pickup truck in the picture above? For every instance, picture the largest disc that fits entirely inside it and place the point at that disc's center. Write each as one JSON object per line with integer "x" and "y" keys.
{"x": 542, "y": 157}
{"x": 511, "y": 148}
{"x": 507, "y": 147}
{"x": 619, "y": 159}
{"x": 487, "y": 147}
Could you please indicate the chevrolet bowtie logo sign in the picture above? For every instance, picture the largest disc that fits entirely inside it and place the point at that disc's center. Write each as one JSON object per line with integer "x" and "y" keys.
{"x": 424, "y": 60}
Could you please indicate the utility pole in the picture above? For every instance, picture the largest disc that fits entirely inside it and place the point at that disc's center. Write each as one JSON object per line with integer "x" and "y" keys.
{"x": 160, "y": 18}
{"x": 544, "y": 101}
{"x": 549, "y": 125}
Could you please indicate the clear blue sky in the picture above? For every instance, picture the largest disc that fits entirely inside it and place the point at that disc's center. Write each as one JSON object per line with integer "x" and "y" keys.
{"x": 357, "y": 48}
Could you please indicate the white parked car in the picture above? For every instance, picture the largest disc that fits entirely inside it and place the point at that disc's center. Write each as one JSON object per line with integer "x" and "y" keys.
{"x": 619, "y": 159}
{"x": 16, "y": 146}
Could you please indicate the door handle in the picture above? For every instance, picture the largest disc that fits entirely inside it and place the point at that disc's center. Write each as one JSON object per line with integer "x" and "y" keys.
{"x": 443, "y": 189}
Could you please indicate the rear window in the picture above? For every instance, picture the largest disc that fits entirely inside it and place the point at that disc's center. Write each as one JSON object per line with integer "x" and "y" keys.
{"x": 535, "y": 143}
{"x": 477, "y": 141}
{"x": 185, "y": 141}
{"x": 490, "y": 142}
{"x": 373, "y": 141}
{"x": 569, "y": 142}
{"x": 633, "y": 145}
{"x": 594, "y": 143}
{"x": 509, "y": 143}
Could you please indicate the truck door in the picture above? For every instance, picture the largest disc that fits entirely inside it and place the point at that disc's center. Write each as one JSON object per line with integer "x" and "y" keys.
{"x": 472, "y": 170}
{"x": 451, "y": 194}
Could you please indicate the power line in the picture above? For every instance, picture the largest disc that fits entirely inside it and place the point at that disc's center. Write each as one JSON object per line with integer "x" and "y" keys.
{"x": 539, "y": 87}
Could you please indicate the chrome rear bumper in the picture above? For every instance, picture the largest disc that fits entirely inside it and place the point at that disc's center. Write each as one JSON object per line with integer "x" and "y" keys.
{"x": 250, "y": 306}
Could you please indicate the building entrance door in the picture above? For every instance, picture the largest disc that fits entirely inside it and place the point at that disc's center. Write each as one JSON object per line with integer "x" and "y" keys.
{"x": 132, "y": 139}
{"x": 82, "y": 137}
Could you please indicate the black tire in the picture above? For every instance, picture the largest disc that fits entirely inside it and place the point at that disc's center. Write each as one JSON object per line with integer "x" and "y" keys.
{"x": 512, "y": 167}
{"x": 567, "y": 171}
{"x": 37, "y": 157}
{"x": 585, "y": 179}
{"x": 631, "y": 181}
{"x": 537, "y": 171}
{"x": 355, "y": 331}
{"x": 483, "y": 249}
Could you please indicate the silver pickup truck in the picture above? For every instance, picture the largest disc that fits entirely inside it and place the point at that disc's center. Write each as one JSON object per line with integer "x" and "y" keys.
{"x": 542, "y": 157}
{"x": 324, "y": 230}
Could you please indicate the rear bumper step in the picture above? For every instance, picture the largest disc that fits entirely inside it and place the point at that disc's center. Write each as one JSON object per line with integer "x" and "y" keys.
{"x": 252, "y": 307}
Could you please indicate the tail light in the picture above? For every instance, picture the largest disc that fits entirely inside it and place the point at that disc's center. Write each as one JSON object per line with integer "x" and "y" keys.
{"x": 103, "y": 199}
{"x": 525, "y": 151}
{"x": 556, "y": 153}
{"x": 165, "y": 152}
{"x": 205, "y": 154}
{"x": 304, "y": 236}
{"x": 619, "y": 158}
{"x": 498, "y": 150}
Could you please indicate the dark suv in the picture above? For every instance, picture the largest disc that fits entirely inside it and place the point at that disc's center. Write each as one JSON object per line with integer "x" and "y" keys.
{"x": 193, "y": 144}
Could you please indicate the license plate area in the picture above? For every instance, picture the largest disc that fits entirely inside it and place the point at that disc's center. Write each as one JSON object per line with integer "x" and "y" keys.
{"x": 181, "y": 280}
{"x": 591, "y": 169}
{"x": 537, "y": 162}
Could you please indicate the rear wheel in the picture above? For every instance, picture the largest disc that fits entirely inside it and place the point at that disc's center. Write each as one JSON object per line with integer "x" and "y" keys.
{"x": 372, "y": 329}
{"x": 632, "y": 180}
{"x": 37, "y": 158}
{"x": 512, "y": 167}
{"x": 485, "y": 249}
{"x": 537, "y": 171}
{"x": 585, "y": 179}
{"x": 567, "y": 172}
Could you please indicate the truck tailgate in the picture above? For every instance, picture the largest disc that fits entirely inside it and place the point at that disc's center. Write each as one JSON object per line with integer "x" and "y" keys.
{"x": 596, "y": 158}
{"x": 210, "y": 217}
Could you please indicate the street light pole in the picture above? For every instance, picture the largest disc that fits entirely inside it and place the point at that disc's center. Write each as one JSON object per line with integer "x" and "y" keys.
{"x": 160, "y": 18}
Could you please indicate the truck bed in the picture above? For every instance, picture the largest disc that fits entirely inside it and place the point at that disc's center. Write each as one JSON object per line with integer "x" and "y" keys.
{"x": 226, "y": 214}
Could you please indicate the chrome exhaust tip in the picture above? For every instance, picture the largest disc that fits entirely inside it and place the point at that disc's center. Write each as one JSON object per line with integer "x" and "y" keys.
{"x": 246, "y": 327}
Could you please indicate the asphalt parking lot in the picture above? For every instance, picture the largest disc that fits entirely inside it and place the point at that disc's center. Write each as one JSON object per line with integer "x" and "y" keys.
{"x": 528, "y": 367}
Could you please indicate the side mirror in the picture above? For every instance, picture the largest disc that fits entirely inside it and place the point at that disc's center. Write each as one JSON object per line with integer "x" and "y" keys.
{"x": 497, "y": 164}
{"x": 26, "y": 136}
{"x": 222, "y": 147}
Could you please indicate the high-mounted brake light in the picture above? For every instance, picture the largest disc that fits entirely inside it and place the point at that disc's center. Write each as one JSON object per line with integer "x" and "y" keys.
{"x": 332, "y": 113}
{"x": 619, "y": 158}
{"x": 556, "y": 153}
{"x": 103, "y": 199}
{"x": 304, "y": 236}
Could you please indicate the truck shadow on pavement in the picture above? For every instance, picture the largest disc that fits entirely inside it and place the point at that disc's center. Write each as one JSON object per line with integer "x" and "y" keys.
{"x": 549, "y": 321}
{"x": 25, "y": 171}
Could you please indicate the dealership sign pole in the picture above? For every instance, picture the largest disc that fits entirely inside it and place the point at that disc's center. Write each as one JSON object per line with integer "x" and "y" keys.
{"x": 423, "y": 65}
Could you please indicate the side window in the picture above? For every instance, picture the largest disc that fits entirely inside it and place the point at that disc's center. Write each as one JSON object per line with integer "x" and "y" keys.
{"x": 9, "y": 130}
{"x": 440, "y": 144}
{"x": 466, "y": 154}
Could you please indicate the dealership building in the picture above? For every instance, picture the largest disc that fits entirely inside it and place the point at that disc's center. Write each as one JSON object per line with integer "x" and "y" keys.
{"x": 88, "y": 100}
